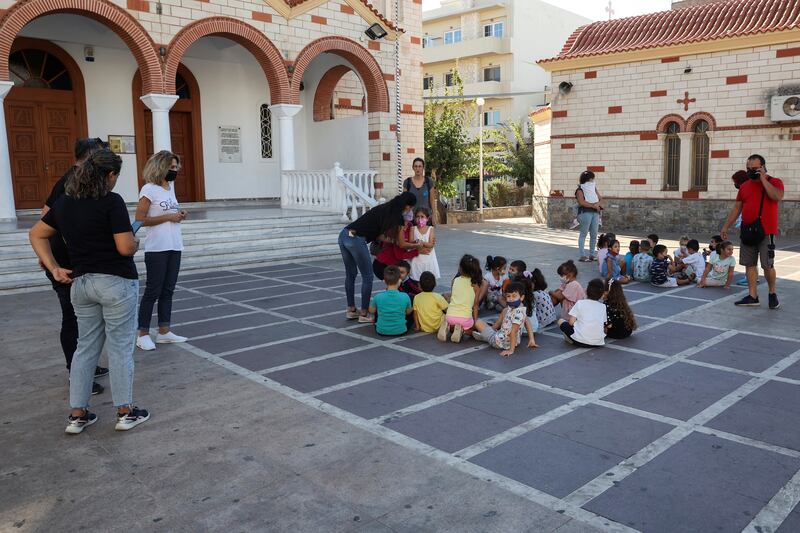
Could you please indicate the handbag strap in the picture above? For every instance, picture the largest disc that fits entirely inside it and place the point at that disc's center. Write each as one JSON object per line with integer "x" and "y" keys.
{"x": 761, "y": 207}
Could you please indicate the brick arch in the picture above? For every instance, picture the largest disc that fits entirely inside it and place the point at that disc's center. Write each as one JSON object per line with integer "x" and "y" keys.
{"x": 266, "y": 53}
{"x": 359, "y": 57}
{"x": 323, "y": 96}
{"x": 702, "y": 115}
{"x": 108, "y": 14}
{"x": 662, "y": 124}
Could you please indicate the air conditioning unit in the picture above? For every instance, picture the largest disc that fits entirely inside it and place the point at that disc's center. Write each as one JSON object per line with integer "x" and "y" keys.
{"x": 786, "y": 107}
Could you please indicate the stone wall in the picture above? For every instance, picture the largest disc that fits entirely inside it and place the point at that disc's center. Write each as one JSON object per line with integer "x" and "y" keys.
{"x": 462, "y": 217}
{"x": 697, "y": 218}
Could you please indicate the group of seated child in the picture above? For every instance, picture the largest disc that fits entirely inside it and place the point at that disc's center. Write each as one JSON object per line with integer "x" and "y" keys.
{"x": 650, "y": 262}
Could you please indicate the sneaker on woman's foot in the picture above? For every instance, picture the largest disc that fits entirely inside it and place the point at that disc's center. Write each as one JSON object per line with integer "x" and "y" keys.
{"x": 773, "y": 301}
{"x": 97, "y": 389}
{"x": 351, "y": 314}
{"x": 443, "y": 330}
{"x": 365, "y": 319}
{"x": 100, "y": 371}
{"x": 169, "y": 337}
{"x": 457, "y": 332}
{"x": 747, "y": 301}
{"x": 75, "y": 424}
{"x": 144, "y": 342}
{"x": 131, "y": 419}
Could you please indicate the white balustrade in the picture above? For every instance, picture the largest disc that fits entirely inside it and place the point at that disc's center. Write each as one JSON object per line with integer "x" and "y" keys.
{"x": 332, "y": 191}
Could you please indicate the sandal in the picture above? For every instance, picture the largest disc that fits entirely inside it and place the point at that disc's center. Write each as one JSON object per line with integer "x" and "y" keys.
{"x": 585, "y": 259}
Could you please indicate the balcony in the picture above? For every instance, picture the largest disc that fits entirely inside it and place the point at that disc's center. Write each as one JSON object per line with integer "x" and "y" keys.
{"x": 470, "y": 48}
{"x": 481, "y": 88}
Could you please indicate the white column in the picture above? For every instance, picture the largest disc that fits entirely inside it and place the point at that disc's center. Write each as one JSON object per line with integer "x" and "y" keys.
{"x": 8, "y": 212}
{"x": 159, "y": 105}
{"x": 285, "y": 114}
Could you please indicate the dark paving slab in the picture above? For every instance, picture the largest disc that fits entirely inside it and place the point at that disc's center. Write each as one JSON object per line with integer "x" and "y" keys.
{"x": 791, "y": 524}
{"x": 490, "y": 359}
{"x": 669, "y": 339}
{"x": 429, "y": 344}
{"x": 202, "y": 284}
{"x": 771, "y": 414}
{"x": 191, "y": 303}
{"x": 240, "y": 295}
{"x": 592, "y": 370}
{"x": 703, "y": 483}
{"x": 680, "y": 391}
{"x": 206, "y": 275}
{"x": 217, "y": 311}
{"x": 319, "y": 308}
{"x": 513, "y": 401}
{"x": 293, "y": 351}
{"x": 253, "y": 337}
{"x": 219, "y": 325}
{"x": 348, "y": 367}
{"x": 438, "y": 378}
{"x": 304, "y": 272}
{"x": 715, "y": 293}
{"x": 792, "y": 371}
{"x": 291, "y": 298}
{"x": 336, "y": 320}
{"x": 449, "y": 426}
{"x": 375, "y": 398}
{"x": 665, "y": 306}
{"x": 250, "y": 284}
{"x": 747, "y": 352}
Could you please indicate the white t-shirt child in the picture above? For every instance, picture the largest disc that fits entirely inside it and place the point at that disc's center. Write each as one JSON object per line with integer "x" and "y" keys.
{"x": 590, "y": 192}
{"x": 697, "y": 262}
{"x": 590, "y": 326}
{"x": 167, "y": 235}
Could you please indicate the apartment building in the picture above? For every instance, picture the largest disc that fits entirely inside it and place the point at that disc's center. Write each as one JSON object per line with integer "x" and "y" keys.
{"x": 494, "y": 44}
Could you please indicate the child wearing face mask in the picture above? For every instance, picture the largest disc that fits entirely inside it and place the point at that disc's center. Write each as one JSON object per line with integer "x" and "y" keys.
{"x": 570, "y": 290}
{"x": 506, "y": 333}
{"x": 492, "y": 286}
{"x": 681, "y": 252}
{"x": 425, "y": 236}
{"x": 610, "y": 268}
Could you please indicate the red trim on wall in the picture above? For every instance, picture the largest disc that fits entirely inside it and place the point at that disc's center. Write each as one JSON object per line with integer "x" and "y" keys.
{"x": 614, "y": 109}
{"x": 374, "y": 45}
{"x": 568, "y": 146}
{"x": 392, "y": 127}
{"x": 673, "y": 59}
{"x": 139, "y": 5}
{"x": 378, "y": 185}
{"x": 787, "y": 52}
{"x": 387, "y": 156}
{"x": 796, "y": 137}
{"x": 656, "y": 94}
{"x": 373, "y": 135}
{"x": 411, "y": 150}
{"x": 560, "y": 114}
{"x": 318, "y": 20}
{"x": 388, "y": 77}
{"x": 734, "y": 80}
{"x": 793, "y": 124}
{"x": 650, "y": 136}
{"x": 638, "y": 181}
{"x": 690, "y": 195}
{"x": 590, "y": 75}
{"x": 719, "y": 154}
{"x": 416, "y": 40}
{"x": 344, "y": 8}
{"x": 596, "y": 168}
{"x": 754, "y": 113}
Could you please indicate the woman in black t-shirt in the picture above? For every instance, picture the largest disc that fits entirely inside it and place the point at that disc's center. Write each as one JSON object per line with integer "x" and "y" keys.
{"x": 96, "y": 228}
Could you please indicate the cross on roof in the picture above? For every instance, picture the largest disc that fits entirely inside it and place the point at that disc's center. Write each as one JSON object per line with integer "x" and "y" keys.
{"x": 686, "y": 101}
{"x": 610, "y": 10}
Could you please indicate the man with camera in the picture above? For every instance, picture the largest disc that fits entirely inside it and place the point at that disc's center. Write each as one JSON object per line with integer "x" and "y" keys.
{"x": 757, "y": 202}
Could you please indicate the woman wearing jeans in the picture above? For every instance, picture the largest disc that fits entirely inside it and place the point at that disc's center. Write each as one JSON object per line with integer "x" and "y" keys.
{"x": 353, "y": 239}
{"x": 159, "y": 211}
{"x": 95, "y": 226}
{"x": 588, "y": 214}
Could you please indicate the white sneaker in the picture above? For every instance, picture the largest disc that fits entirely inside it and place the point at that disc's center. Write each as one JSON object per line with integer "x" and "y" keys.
{"x": 144, "y": 342}
{"x": 365, "y": 319}
{"x": 169, "y": 337}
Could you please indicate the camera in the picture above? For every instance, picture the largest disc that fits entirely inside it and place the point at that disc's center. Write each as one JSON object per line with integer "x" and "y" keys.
{"x": 753, "y": 174}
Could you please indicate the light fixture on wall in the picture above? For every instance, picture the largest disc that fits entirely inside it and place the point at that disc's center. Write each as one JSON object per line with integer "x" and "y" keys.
{"x": 564, "y": 88}
{"x": 88, "y": 53}
{"x": 376, "y": 31}
{"x": 688, "y": 69}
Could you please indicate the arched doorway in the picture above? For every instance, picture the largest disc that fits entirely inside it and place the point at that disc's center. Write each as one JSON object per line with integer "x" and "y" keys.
{"x": 185, "y": 133}
{"x": 45, "y": 114}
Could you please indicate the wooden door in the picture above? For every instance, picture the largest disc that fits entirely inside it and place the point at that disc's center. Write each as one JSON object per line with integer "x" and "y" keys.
{"x": 59, "y": 139}
{"x": 180, "y": 128}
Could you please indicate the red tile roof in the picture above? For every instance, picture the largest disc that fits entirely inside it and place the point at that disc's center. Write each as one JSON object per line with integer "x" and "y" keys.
{"x": 387, "y": 22}
{"x": 707, "y": 22}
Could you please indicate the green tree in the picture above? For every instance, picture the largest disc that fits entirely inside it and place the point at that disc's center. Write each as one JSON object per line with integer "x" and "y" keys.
{"x": 514, "y": 152}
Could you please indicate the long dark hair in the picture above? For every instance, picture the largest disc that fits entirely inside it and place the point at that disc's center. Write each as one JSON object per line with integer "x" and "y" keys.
{"x": 586, "y": 175}
{"x": 523, "y": 286}
{"x": 498, "y": 261}
{"x": 390, "y": 215}
{"x": 470, "y": 267}
{"x": 615, "y": 299}
{"x": 539, "y": 283}
{"x": 90, "y": 179}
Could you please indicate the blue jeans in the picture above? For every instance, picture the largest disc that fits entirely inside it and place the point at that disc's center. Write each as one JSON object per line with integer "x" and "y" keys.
{"x": 356, "y": 257}
{"x": 589, "y": 221}
{"x": 106, "y": 309}
{"x": 162, "y": 275}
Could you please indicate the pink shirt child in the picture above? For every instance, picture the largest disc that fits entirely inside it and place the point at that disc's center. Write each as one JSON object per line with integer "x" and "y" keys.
{"x": 572, "y": 292}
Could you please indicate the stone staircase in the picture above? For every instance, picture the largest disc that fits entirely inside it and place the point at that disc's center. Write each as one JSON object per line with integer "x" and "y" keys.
{"x": 213, "y": 238}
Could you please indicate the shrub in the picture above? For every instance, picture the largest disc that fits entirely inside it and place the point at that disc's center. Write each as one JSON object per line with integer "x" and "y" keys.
{"x": 502, "y": 193}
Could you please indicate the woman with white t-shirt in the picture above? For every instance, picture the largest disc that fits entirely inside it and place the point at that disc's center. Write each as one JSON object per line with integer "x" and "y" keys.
{"x": 159, "y": 211}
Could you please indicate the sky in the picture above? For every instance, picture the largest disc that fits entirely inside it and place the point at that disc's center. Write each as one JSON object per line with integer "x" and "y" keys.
{"x": 596, "y": 9}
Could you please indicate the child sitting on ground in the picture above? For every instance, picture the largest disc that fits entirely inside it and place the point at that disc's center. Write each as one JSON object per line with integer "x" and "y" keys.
{"x": 633, "y": 249}
{"x": 587, "y": 318}
{"x": 681, "y": 251}
{"x": 620, "y": 322}
{"x": 429, "y": 306}
{"x": 642, "y": 262}
{"x": 542, "y": 303}
{"x": 391, "y": 306}
{"x": 426, "y": 235}
{"x": 719, "y": 270}
{"x": 515, "y": 268}
{"x": 463, "y": 309}
{"x": 694, "y": 262}
{"x": 653, "y": 240}
{"x": 570, "y": 290}
{"x": 712, "y": 247}
{"x": 610, "y": 268}
{"x": 506, "y": 333}
{"x": 661, "y": 270}
{"x": 602, "y": 248}
{"x": 491, "y": 294}
{"x": 407, "y": 285}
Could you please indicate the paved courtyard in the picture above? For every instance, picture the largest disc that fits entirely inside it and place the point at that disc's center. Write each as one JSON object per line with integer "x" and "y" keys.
{"x": 280, "y": 415}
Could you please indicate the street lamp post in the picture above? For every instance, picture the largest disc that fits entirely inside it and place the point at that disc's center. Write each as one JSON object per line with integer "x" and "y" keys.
{"x": 480, "y": 101}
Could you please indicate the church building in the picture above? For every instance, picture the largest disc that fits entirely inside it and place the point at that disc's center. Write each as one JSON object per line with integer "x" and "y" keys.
{"x": 665, "y": 107}
{"x": 246, "y": 92}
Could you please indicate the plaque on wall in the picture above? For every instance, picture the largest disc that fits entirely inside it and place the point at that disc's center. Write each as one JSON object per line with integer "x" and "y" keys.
{"x": 122, "y": 144}
{"x": 230, "y": 144}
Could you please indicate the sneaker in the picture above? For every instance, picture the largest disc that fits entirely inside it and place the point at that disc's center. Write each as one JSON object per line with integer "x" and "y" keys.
{"x": 747, "y": 301}
{"x": 144, "y": 342}
{"x": 99, "y": 372}
{"x": 574, "y": 224}
{"x": 458, "y": 331}
{"x": 131, "y": 419}
{"x": 75, "y": 424}
{"x": 97, "y": 389}
{"x": 365, "y": 319}
{"x": 773, "y": 301}
{"x": 443, "y": 329}
{"x": 168, "y": 338}
{"x": 351, "y": 315}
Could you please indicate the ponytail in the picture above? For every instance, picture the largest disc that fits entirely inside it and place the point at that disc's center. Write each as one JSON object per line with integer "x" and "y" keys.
{"x": 497, "y": 261}
{"x": 90, "y": 179}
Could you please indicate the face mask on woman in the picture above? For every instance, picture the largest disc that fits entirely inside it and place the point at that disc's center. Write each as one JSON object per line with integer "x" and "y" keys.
{"x": 408, "y": 217}
{"x": 171, "y": 175}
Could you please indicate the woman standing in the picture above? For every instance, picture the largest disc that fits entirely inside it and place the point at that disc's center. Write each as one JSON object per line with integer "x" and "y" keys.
{"x": 588, "y": 214}
{"x": 423, "y": 188}
{"x": 105, "y": 284}
{"x": 159, "y": 211}
{"x": 353, "y": 241}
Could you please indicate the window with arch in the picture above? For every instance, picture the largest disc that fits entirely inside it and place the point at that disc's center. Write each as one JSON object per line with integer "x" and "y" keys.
{"x": 38, "y": 69}
{"x": 672, "y": 157}
{"x": 700, "y": 145}
{"x": 265, "y": 119}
